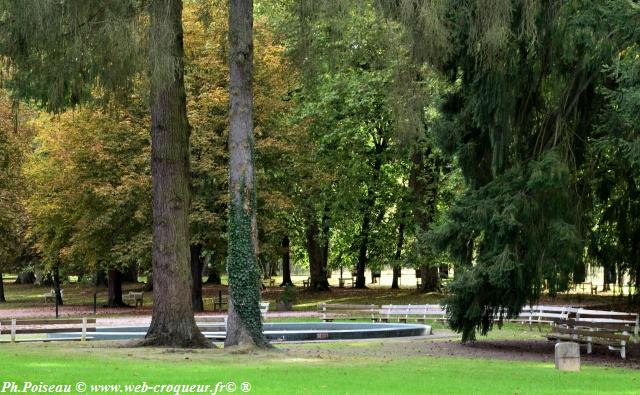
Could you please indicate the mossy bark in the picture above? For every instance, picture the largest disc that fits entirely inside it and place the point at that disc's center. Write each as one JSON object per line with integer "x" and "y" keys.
{"x": 244, "y": 327}
{"x": 172, "y": 322}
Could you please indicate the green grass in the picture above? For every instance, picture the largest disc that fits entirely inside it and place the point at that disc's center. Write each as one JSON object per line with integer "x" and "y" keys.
{"x": 349, "y": 368}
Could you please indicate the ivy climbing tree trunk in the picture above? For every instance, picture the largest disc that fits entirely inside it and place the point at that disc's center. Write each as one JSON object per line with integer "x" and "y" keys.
{"x": 196, "y": 273}
{"x": 114, "y": 294}
{"x": 172, "y": 322}
{"x": 244, "y": 327}
{"x": 286, "y": 262}
{"x": 2, "y": 299}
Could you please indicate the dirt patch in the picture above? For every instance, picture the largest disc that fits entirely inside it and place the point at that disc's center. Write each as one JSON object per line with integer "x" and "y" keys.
{"x": 510, "y": 350}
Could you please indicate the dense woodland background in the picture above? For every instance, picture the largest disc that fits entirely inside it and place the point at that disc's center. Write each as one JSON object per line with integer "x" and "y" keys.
{"x": 497, "y": 137}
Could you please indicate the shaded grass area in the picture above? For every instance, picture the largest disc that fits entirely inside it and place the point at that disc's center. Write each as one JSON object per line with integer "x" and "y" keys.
{"x": 344, "y": 368}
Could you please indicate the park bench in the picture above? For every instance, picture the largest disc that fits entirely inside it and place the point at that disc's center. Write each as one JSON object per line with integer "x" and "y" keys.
{"x": 14, "y": 327}
{"x": 584, "y": 286}
{"x": 420, "y": 313}
{"x": 264, "y": 309}
{"x": 51, "y": 295}
{"x": 269, "y": 282}
{"x": 135, "y": 298}
{"x": 541, "y": 314}
{"x": 589, "y": 334}
{"x": 608, "y": 328}
{"x": 330, "y": 312}
{"x": 612, "y": 320}
{"x": 342, "y": 281}
{"x": 306, "y": 283}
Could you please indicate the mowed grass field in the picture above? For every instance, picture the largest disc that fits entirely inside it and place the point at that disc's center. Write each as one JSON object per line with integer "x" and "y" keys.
{"x": 334, "y": 368}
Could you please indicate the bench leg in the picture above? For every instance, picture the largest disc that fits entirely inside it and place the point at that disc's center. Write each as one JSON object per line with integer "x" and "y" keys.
{"x": 623, "y": 353}
{"x": 589, "y": 347}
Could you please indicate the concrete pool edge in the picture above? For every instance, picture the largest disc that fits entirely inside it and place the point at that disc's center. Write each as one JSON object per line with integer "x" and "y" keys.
{"x": 280, "y": 331}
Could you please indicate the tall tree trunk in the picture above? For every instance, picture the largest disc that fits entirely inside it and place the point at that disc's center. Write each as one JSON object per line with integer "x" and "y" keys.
{"x": 326, "y": 228}
{"x": 172, "y": 322}
{"x": 101, "y": 279}
{"x": 244, "y": 324}
{"x": 317, "y": 269}
{"x": 130, "y": 275}
{"x": 370, "y": 202}
{"x": 26, "y": 277}
{"x": 364, "y": 245}
{"x": 114, "y": 294}
{"x": 396, "y": 267}
{"x": 214, "y": 276}
{"x": 286, "y": 262}
{"x": 2, "y": 299}
{"x": 423, "y": 180}
{"x": 56, "y": 284}
{"x": 196, "y": 273}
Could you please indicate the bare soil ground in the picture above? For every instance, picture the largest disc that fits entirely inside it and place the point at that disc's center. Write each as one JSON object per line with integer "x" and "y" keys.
{"x": 510, "y": 350}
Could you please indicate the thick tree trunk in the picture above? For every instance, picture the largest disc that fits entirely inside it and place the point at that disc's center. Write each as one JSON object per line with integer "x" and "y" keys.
{"x": 148, "y": 286}
{"x": 317, "y": 268}
{"x": 429, "y": 278}
{"x": 56, "y": 284}
{"x": 244, "y": 328}
{"x": 365, "y": 229}
{"x": 196, "y": 274}
{"x": 423, "y": 180}
{"x": 172, "y": 322}
{"x": 101, "y": 279}
{"x": 114, "y": 294}
{"x": 130, "y": 275}
{"x": 2, "y": 299}
{"x": 214, "y": 276}
{"x": 286, "y": 262}
{"x": 326, "y": 228}
{"x": 27, "y": 277}
{"x": 397, "y": 268}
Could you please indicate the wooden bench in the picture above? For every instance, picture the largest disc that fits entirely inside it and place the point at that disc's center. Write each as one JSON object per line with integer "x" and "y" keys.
{"x": 330, "y": 312}
{"x": 342, "y": 281}
{"x": 16, "y": 327}
{"x": 137, "y": 298}
{"x": 51, "y": 295}
{"x": 542, "y": 314}
{"x": 589, "y": 334}
{"x": 593, "y": 289}
{"x": 420, "y": 313}
{"x": 219, "y": 303}
{"x": 269, "y": 282}
{"x": 613, "y": 320}
{"x": 306, "y": 283}
{"x": 264, "y": 309}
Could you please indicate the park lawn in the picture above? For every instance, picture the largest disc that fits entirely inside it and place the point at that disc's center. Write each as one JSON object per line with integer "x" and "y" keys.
{"x": 303, "y": 369}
